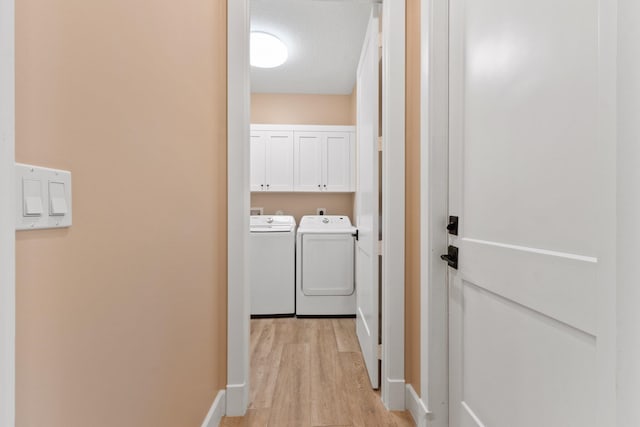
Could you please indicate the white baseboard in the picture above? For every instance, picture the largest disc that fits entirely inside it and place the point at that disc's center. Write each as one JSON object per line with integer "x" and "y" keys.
{"x": 237, "y": 399}
{"x": 216, "y": 412}
{"x": 416, "y": 407}
{"x": 394, "y": 395}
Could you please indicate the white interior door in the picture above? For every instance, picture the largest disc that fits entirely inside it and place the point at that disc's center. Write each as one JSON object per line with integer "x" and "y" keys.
{"x": 367, "y": 202}
{"x": 528, "y": 153}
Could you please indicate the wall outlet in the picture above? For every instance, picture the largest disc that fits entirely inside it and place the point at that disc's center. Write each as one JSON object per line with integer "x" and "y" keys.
{"x": 321, "y": 211}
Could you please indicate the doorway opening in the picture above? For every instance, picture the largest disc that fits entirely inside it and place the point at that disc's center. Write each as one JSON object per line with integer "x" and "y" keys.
{"x": 240, "y": 202}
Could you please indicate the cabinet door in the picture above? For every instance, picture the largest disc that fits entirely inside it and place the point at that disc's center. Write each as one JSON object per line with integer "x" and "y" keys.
{"x": 308, "y": 161}
{"x": 336, "y": 158}
{"x": 258, "y": 154}
{"x": 279, "y": 161}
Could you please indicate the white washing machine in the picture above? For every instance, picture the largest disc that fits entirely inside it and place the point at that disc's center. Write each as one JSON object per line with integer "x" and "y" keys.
{"x": 325, "y": 276}
{"x": 272, "y": 265}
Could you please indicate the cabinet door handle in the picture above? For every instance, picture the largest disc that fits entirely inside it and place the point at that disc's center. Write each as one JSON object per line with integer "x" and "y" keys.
{"x": 319, "y": 186}
{"x": 262, "y": 186}
{"x": 267, "y": 186}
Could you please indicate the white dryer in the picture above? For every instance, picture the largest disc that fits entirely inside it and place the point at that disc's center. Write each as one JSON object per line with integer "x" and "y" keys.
{"x": 272, "y": 265}
{"x": 325, "y": 279}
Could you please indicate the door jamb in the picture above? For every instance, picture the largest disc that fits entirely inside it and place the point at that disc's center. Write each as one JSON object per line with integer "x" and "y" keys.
{"x": 238, "y": 102}
{"x": 7, "y": 214}
{"x": 393, "y": 203}
{"x": 238, "y": 120}
{"x": 434, "y": 191}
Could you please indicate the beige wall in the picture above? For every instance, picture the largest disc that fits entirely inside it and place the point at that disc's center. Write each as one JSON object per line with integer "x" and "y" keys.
{"x": 300, "y": 204}
{"x": 308, "y": 110}
{"x": 121, "y": 319}
{"x": 412, "y": 215}
{"x": 354, "y": 106}
{"x": 302, "y": 109}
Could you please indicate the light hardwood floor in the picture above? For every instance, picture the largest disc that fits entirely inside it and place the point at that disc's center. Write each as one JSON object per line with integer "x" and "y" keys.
{"x": 308, "y": 373}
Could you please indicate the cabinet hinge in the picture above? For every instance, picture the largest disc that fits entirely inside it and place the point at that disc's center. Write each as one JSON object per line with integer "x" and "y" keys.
{"x": 379, "y": 247}
{"x": 379, "y": 351}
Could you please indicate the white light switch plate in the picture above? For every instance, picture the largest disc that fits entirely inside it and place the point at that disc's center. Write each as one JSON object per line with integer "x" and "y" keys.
{"x": 43, "y": 197}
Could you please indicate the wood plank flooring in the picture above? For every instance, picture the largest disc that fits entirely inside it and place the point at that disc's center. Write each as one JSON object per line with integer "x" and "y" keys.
{"x": 310, "y": 373}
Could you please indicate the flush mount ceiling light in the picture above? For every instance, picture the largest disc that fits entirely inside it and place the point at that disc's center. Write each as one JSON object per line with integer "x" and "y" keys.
{"x": 267, "y": 51}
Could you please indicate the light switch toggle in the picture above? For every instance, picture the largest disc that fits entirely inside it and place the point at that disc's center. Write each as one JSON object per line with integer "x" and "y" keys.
{"x": 32, "y": 206}
{"x": 32, "y": 198}
{"x": 57, "y": 199}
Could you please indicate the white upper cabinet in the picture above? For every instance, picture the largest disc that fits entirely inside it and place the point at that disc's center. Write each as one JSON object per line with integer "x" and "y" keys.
{"x": 258, "y": 149}
{"x": 307, "y": 168}
{"x": 271, "y": 160}
{"x": 302, "y": 158}
{"x": 337, "y": 159}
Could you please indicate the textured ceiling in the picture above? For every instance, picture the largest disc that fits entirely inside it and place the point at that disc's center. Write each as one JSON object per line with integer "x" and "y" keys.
{"x": 324, "y": 38}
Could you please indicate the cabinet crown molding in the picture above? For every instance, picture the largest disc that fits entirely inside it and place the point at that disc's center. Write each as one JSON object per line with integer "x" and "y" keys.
{"x": 302, "y": 128}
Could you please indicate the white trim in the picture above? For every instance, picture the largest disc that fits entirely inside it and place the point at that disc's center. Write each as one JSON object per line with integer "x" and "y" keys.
{"x": 395, "y": 392}
{"x": 416, "y": 407}
{"x": 606, "y": 226}
{"x": 303, "y": 128}
{"x": 216, "y": 412}
{"x": 628, "y": 212}
{"x": 238, "y": 101}
{"x": 393, "y": 199}
{"x": 393, "y": 121}
{"x": 237, "y": 399}
{"x": 7, "y": 215}
{"x": 434, "y": 125}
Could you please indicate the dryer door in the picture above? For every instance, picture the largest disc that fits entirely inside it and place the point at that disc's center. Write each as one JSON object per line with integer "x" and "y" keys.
{"x": 327, "y": 264}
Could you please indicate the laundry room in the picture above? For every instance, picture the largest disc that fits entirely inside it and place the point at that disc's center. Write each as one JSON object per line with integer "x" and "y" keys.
{"x": 315, "y": 208}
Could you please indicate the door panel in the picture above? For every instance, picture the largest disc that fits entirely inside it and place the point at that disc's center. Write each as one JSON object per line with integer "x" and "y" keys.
{"x": 367, "y": 217}
{"x": 517, "y": 361}
{"x": 524, "y": 151}
{"x": 337, "y": 161}
{"x": 320, "y": 251}
{"x": 258, "y": 156}
{"x": 279, "y": 161}
{"x": 308, "y": 164}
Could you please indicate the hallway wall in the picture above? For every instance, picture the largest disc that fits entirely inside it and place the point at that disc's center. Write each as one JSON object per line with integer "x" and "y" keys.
{"x": 628, "y": 292}
{"x": 121, "y": 319}
{"x": 412, "y": 201}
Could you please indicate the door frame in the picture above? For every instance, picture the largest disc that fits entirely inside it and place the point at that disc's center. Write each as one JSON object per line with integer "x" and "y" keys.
{"x": 238, "y": 196}
{"x": 7, "y": 214}
{"x": 434, "y": 195}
